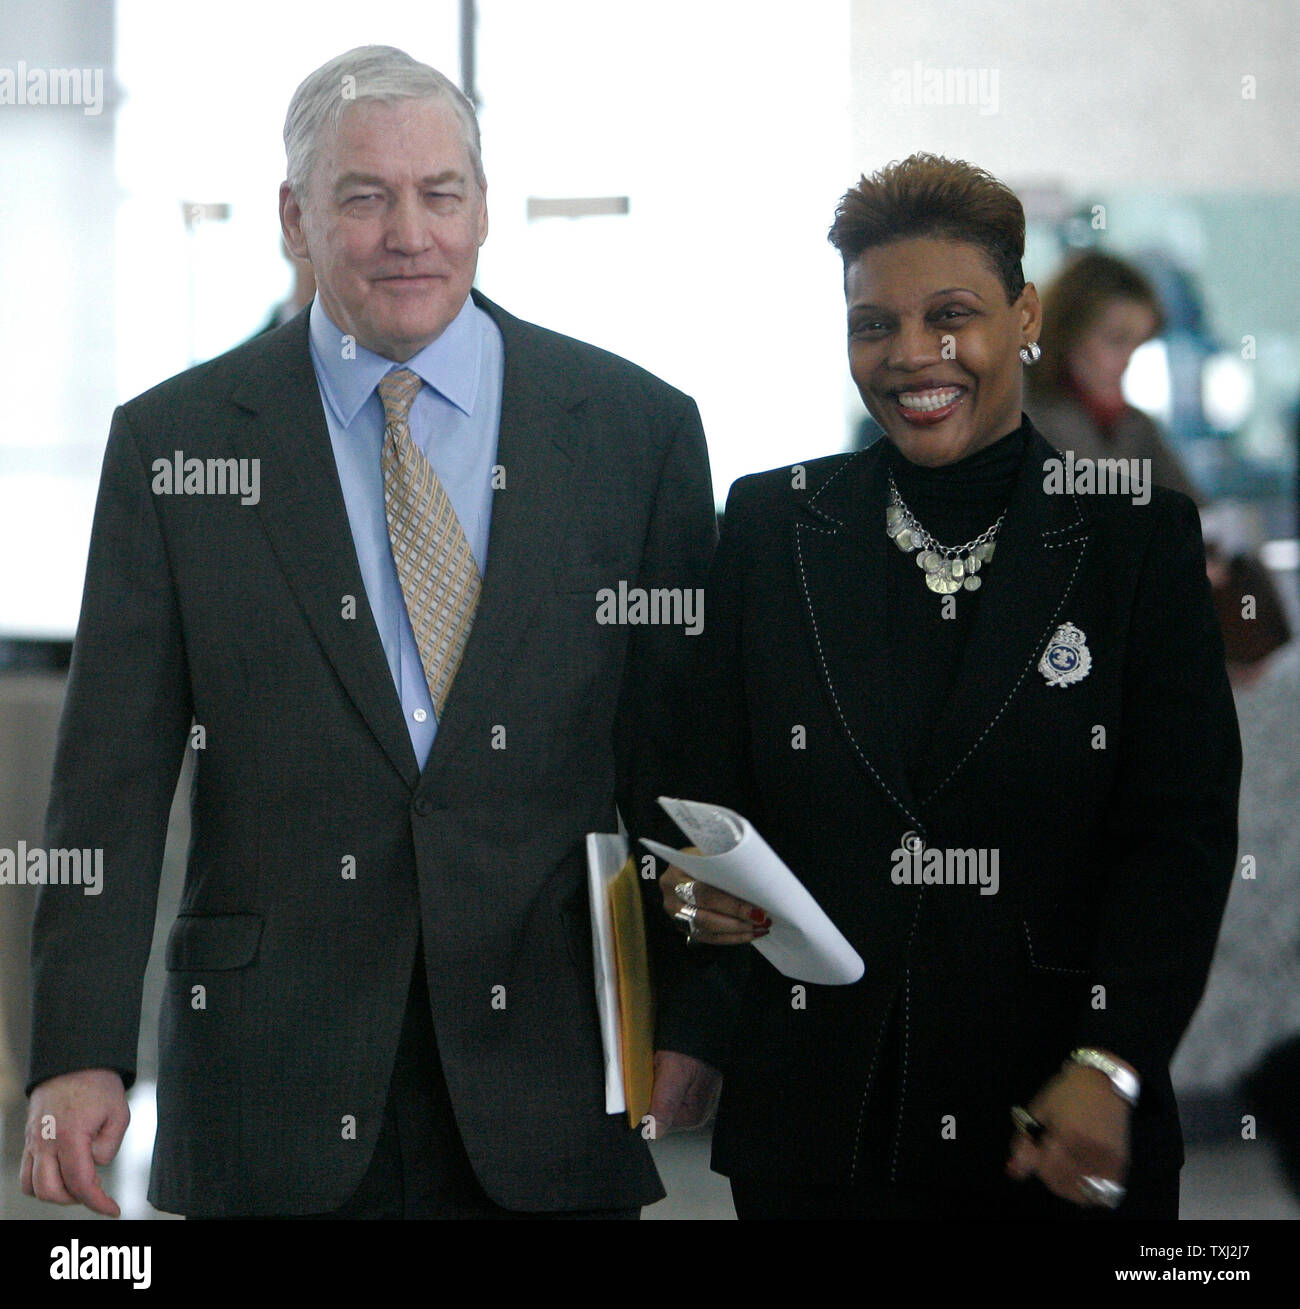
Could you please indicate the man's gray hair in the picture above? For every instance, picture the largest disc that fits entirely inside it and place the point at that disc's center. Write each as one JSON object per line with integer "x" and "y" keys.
{"x": 370, "y": 72}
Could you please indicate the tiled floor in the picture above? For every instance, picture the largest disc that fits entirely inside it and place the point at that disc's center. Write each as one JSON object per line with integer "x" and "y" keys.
{"x": 1228, "y": 1180}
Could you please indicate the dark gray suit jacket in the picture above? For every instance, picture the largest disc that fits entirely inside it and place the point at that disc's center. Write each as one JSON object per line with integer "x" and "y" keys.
{"x": 286, "y": 976}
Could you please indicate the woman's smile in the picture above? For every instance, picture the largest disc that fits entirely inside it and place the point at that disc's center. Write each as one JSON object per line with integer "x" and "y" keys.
{"x": 925, "y": 406}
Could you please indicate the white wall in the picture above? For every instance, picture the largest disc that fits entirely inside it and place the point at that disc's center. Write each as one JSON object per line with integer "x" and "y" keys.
{"x": 1091, "y": 93}
{"x": 723, "y": 123}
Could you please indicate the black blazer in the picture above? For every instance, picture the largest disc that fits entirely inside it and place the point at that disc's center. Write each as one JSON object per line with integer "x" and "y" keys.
{"x": 1115, "y": 852}
{"x": 274, "y": 1075}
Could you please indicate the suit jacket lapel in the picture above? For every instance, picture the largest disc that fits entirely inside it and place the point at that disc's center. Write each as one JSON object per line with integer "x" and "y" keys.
{"x": 1021, "y": 603}
{"x": 534, "y": 448}
{"x": 840, "y": 556}
{"x": 304, "y": 515}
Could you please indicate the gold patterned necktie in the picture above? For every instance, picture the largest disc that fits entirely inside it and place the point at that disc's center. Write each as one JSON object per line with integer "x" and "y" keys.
{"x": 440, "y": 580}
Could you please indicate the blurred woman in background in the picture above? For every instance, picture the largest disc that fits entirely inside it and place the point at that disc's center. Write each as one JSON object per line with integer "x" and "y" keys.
{"x": 1096, "y": 313}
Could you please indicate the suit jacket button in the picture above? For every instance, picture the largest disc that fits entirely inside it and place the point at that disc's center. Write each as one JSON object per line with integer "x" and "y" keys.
{"x": 422, "y": 806}
{"x": 912, "y": 843}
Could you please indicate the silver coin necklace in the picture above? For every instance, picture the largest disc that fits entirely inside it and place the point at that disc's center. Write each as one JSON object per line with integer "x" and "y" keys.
{"x": 947, "y": 568}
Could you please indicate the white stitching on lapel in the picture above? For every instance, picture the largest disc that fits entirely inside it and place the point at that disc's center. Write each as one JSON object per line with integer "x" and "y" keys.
{"x": 826, "y": 673}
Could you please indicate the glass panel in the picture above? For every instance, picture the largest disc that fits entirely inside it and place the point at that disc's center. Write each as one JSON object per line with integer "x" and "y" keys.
{"x": 724, "y": 126}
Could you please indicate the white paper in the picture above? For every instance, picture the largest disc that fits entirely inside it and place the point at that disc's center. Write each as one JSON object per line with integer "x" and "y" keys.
{"x": 803, "y": 943}
{"x": 606, "y": 855}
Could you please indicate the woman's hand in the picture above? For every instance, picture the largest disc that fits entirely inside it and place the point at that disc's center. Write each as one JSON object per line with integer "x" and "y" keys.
{"x": 1086, "y": 1136}
{"x": 719, "y": 919}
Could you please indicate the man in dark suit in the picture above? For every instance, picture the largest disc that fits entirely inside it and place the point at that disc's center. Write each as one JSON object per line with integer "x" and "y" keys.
{"x": 353, "y": 564}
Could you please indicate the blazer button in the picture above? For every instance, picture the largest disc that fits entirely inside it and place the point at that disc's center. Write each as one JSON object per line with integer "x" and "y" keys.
{"x": 423, "y": 807}
{"x": 912, "y": 843}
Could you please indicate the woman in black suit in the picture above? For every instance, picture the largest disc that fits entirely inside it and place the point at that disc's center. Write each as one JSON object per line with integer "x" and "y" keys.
{"x": 1009, "y": 774}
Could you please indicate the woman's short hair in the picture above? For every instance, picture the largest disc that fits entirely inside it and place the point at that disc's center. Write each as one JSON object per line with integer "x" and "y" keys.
{"x": 927, "y": 195}
{"x": 370, "y": 72}
{"x": 1072, "y": 303}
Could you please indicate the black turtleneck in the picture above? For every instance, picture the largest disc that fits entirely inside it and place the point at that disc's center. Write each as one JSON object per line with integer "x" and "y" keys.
{"x": 954, "y": 503}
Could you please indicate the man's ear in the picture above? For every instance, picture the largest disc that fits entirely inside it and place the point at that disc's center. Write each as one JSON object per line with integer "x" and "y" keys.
{"x": 291, "y": 223}
{"x": 483, "y": 215}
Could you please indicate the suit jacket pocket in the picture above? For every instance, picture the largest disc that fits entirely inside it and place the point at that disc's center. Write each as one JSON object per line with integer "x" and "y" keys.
{"x": 1057, "y": 949}
{"x": 215, "y": 942}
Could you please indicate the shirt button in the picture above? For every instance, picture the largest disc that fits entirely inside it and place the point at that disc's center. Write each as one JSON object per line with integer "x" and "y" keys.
{"x": 420, "y": 715}
{"x": 912, "y": 843}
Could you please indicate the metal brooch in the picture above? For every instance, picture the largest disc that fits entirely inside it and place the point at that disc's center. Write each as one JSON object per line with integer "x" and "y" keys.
{"x": 1067, "y": 658}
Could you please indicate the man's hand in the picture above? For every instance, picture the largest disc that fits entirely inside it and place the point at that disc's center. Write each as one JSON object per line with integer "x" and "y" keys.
{"x": 1087, "y": 1135}
{"x": 74, "y": 1122}
{"x": 685, "y": 1093}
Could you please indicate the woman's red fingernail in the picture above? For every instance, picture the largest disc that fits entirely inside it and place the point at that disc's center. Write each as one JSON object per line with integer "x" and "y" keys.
{"x": 759, "y": 917}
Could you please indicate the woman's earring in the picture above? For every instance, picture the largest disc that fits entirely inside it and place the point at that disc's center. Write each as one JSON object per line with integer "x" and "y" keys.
{"x": 1030, "y": 354}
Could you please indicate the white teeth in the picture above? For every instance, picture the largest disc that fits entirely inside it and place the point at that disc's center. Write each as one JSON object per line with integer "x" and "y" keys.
{"x": 938, "y": 398}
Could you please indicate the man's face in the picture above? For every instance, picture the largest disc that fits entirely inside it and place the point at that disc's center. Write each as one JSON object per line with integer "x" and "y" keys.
{"x": 934, "y": 346}
{"x": 392, "y": 223}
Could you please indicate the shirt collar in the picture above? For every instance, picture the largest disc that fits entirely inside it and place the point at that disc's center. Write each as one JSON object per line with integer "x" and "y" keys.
{"x": 450, "y": 363}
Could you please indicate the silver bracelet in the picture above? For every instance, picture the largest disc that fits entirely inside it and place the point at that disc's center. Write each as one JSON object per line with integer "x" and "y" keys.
{"x": 1127, "y": 1085}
